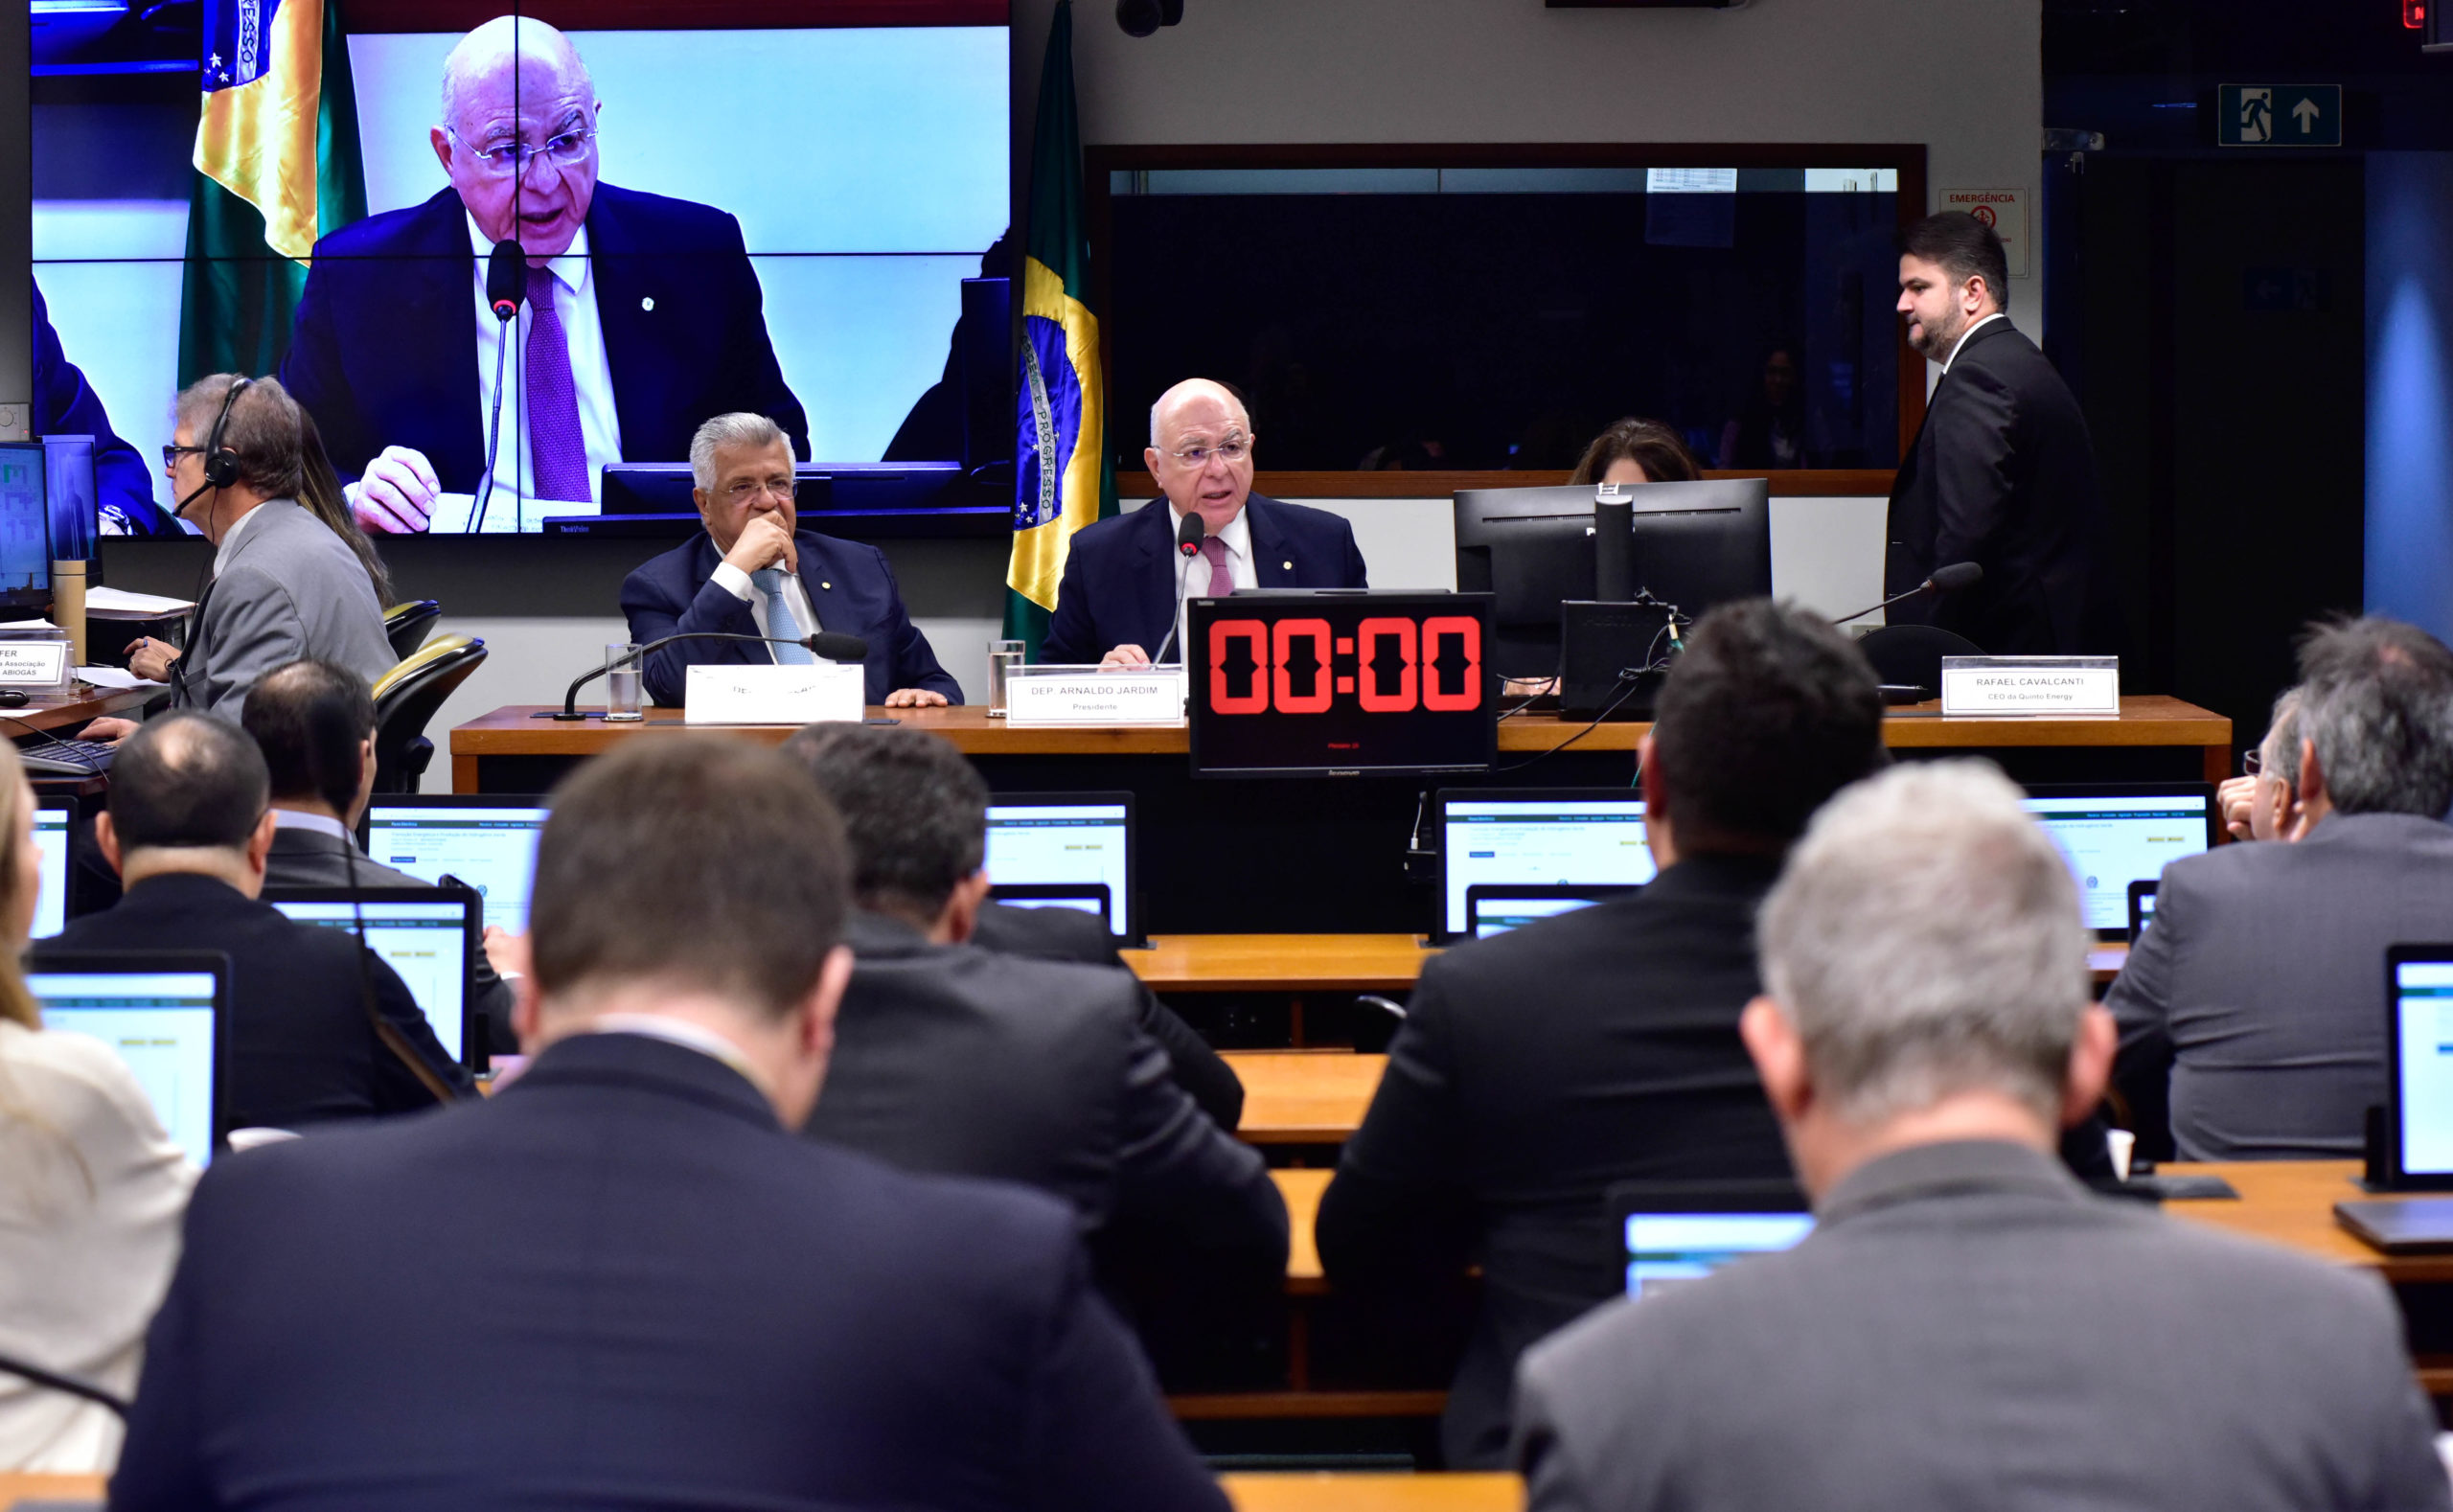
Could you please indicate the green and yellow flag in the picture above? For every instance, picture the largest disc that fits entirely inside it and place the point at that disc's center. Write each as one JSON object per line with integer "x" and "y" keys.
{"x": 1062, "y": 478}
{"x": 277, "y": 165}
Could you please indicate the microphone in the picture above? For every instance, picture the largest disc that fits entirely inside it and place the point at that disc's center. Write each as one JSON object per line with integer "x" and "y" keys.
{"x": 1190, "y": 534}
{"x": 506, "y": 285}
{"x": 1945, "y": 580}
{"x": 1188, "y": 539}
{"x": 832, "y": 645}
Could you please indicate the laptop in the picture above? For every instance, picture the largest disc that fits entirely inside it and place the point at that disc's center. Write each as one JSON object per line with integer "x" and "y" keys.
{"x": 2114, "y": 834}
{"x": 1681, "y": 1231}
{"x": 55, "y": 833}
{"x": 1093, "y": 898}
{"x": 1542, "y": 837}
{"x": 1497, "y": 907}
{"x": 2418, "y": 1090}
{"x": 168, "y": 1015}
{"x": 488, "y": 841}
{"x": 2141, "y": 907}
{"x": 427, "y": 935}
{"x": 1043, "y": 838}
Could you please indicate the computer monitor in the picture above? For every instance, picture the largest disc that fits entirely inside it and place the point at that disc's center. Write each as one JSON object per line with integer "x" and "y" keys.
{"x": 164, "y": 1012}
{"x": 2419, "y": 1094}
{"x": 1042, "y": 837}
{"x": 427, "y": 935}
{"x": 818, "y": 488}
{"x": 55, "y": 836}
{"x": 1555, "y": 836}
{"x": 1497, "y": 907}
{"x": 1681, "y": 1231}
{"x": 1697, "y": 545}
{"x": 488, "y": 841}
{"x": 2117, "y": 834}
{"x": 1090, "y": 898}
{"x": 25, "y": 524}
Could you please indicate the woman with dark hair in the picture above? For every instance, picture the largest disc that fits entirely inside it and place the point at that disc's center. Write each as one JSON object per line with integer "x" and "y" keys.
{"x": 1636, "y": 450}
{"x": 319, "y": 488}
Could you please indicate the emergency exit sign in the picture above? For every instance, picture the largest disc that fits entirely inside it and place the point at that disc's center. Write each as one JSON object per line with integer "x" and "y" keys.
{"x": 2278, "y": 115}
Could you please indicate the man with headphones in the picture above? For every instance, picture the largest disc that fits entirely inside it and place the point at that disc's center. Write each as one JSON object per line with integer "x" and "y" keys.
{"x": 284, "y": 585}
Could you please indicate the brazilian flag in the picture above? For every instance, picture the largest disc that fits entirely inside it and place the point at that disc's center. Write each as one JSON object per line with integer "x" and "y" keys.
{"x": 1062, "y": 478}
{"x": 277, "y": 166}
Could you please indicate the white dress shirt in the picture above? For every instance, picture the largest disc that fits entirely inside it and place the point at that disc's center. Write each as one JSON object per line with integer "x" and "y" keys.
{"x": 1961, "y": 342}
{"x": 591, "y": 377}
{"x": 319, "y": 823}
{"x": 1192, "y": 573}
{"x": 91, "y": 1194}
{"x": 735, "y": 582}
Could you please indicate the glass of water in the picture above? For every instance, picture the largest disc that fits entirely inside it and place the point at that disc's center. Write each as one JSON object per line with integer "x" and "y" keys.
{"x": 624, "y": 684}
{"x": 1003, "y": 657}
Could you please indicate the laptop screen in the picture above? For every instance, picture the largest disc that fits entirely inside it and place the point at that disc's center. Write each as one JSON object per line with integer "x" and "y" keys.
{"x": 2112, "y": 839}
{"x": 1577, "y": 837}
{"x": 1497, "y": 913}
{"x": 427, "y": 942}
{"x": 161, "y": 1024}
{"x": 1087, "y": 839}
{"x": 1664, "y": 1249}
{"x": 51, "y": 907}
{"x": 2424, "y": 1064}
{"x": 492, "y": 849}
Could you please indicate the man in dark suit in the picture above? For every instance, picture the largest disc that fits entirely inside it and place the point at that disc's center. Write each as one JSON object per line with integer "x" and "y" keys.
{"x": 321, "y": 1028}
{"x": 1966, "y": 1326}
{"x": 1538, "y": 1067}
{"x": 1121, "y": 598}
{"x": 2002, "y": 472}
{"x": 2254, "y": 999}
{"x": 950, "y": 1058}
{"x": 65, "y": 404}
{"x": 643, "y": 313}
{"x": 753, "y": 573}
{"x": 693, "y": 1308}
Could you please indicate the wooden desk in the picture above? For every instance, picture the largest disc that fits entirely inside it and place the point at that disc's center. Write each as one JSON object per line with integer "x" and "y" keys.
{"x": 1304, "y": 1096}
{"x": 2143, "y": 722}
{"x": 69, "y": 712}
{"x": 2291, "y": 1202}
{"x": 1327, "y": 963}
{"x": 1301, "y": 1189}
{"x": 16, "y": 1487}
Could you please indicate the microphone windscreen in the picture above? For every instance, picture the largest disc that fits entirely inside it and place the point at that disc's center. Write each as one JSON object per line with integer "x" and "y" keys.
{"x": 506, "y": 279}
{"x": 1188, "y": 534}
{"x": 837, "y": 647}
{"x": 1957, "y": 576}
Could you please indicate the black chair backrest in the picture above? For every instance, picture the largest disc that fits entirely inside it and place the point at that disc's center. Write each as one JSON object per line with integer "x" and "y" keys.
{"x": 1911, "y": 655}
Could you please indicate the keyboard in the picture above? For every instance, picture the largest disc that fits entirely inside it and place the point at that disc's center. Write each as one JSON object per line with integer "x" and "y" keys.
{"x": 67, "y": 758}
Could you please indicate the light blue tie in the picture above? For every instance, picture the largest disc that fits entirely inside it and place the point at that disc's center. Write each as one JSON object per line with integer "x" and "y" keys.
{"x": 780, "y": 619}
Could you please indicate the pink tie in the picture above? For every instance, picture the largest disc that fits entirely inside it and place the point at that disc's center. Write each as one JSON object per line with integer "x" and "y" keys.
{"x": 1221, "y": 580}
{"x": 555, "y": 443}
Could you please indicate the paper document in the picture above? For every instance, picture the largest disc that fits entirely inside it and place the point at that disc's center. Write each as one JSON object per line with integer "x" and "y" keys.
{"x": 115, "y": 678}
{"x": 119, "y": 602}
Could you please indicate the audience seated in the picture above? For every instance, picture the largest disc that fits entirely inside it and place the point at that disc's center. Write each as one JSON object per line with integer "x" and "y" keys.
{"x": 1967, "y": 1326}
{"x": 950, "y": 1058}
{"x": 314, "y": 722}
{"x": 2258, "y": 991}
{"x": 321, "y": 1028}
{"x": 1538, "y": 1067}
{"x": 695, "y": 1310}
{"x": 91, "y": 1191}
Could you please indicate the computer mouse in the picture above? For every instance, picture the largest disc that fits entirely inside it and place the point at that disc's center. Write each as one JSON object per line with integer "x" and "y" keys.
{"x": 12, "y": 698}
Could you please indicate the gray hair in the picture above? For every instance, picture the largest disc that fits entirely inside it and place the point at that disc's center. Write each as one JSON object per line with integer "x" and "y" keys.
{"x": 1925, "y": 940}
{"x": 263, "y": 429}
{"x": 509, "y": 34}
{"x": 2377, "y": 701}
{"x": 2279, "y": 753}
{"x": 739, "y": 428}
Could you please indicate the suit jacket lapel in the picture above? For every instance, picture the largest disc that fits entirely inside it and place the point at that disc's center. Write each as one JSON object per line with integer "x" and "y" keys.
{"x": 437, "y": 295}
{"x": 626, "y": 282}
{"x": 1269, "y": 546}
{"x": 1155, "y": 569}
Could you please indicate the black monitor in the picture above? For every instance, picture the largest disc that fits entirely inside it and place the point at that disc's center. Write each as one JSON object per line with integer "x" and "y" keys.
{"x": 25, "y": 525}
{"x": 1697, "y": 545}
{"x": 818, "y": 488}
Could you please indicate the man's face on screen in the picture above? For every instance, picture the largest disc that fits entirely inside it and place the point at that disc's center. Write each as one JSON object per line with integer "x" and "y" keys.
{"x": 751, "y": 481}
{"x": 539, "y": 107}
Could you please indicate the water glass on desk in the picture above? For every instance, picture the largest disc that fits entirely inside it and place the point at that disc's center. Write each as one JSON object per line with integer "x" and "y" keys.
{"x": 1003, "y": 657}
{"x": 624, "y": 684}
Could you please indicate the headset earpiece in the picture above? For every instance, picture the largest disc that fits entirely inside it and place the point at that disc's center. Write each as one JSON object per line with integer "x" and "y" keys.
{"x": 220, "y": 463}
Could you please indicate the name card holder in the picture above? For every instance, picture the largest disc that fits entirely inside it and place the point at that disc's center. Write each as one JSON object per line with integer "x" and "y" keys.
{"x": 37, "y": 663}
{"x": 1045, "y": 696}
{"x": 2040, "y": 686}
{"x": 821, "y": 693}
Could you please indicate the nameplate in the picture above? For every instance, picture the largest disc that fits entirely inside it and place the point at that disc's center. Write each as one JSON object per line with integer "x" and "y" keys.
{"x": 822, "y": 693}
{"x": 34, "y": 664}
{"x": 1087, "y": 695}
{"x": 2036, "y": 685}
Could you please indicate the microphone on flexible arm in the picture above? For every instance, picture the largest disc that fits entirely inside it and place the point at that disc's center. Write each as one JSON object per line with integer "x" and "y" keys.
{"x": 506, "y": 287}
{"x": 832, "y": 645}
{"x": 1945, "y": 580}
{"x": 1188, "y": 539}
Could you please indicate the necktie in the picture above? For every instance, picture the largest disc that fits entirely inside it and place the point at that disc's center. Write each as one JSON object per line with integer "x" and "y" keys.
{"x": 1222, "y": 577}
{"x": 780, "y": 618}
{"x": 556, "y": 451}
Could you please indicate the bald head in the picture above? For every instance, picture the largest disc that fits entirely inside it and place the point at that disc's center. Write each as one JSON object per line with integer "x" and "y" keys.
{"x": 191, "y": 781}
{"x": 1203, "y": 417}
{"x": 1191, "y": 389}
{"x": 504, "y": 45}
{"x": 518, "y": 83}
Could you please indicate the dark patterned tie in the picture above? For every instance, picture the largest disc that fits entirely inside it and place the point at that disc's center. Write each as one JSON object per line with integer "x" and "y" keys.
{"x": 556, "y": 450}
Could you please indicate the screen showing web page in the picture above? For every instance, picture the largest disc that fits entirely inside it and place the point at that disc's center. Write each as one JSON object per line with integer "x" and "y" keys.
{"x": 1543, "y": 843}
{"x": 1083, "y": 843}
{"x": 2111, "y": 841}
{"x": 2423, "y": 1021}
{"x": 161, "y": 1024}
{"x": 426, "y": 943}
{"x": 1664, "y": 1249}
{"x": 1499, "y": 915}
{"x": 492, "y": 850}
{"x": 51, "y": 909}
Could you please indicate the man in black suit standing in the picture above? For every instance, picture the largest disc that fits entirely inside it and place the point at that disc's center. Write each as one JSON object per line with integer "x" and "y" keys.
{"x": 1538, "y": 1067}
{"x": 691, "y": 1306}
{"x": 2002, "y": 472}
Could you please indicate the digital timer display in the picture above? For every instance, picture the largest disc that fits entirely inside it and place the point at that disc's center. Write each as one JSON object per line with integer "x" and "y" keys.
{"x": 1293, "y": 683}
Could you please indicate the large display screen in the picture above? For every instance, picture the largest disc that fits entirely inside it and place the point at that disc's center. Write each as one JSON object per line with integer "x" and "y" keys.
{"x": 779, "y": 219}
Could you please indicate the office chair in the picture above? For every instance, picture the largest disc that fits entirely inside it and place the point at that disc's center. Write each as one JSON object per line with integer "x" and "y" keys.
{"x": 406, "y": 696}
{"x": 407, "y": 626}
{"x": 1911, "y": 655}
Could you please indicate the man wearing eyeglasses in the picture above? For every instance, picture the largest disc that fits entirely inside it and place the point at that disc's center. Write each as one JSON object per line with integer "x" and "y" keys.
{"x": 753, "y": 573}
{"x": 1120, "y": 601}
{"x": 642, "y": 313}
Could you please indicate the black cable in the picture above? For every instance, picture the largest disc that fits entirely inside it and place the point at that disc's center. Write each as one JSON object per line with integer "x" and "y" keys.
{"x": 50, "y": 738}
{"x": 59, "y": 1383}
{"x": 1630, "y": 679}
